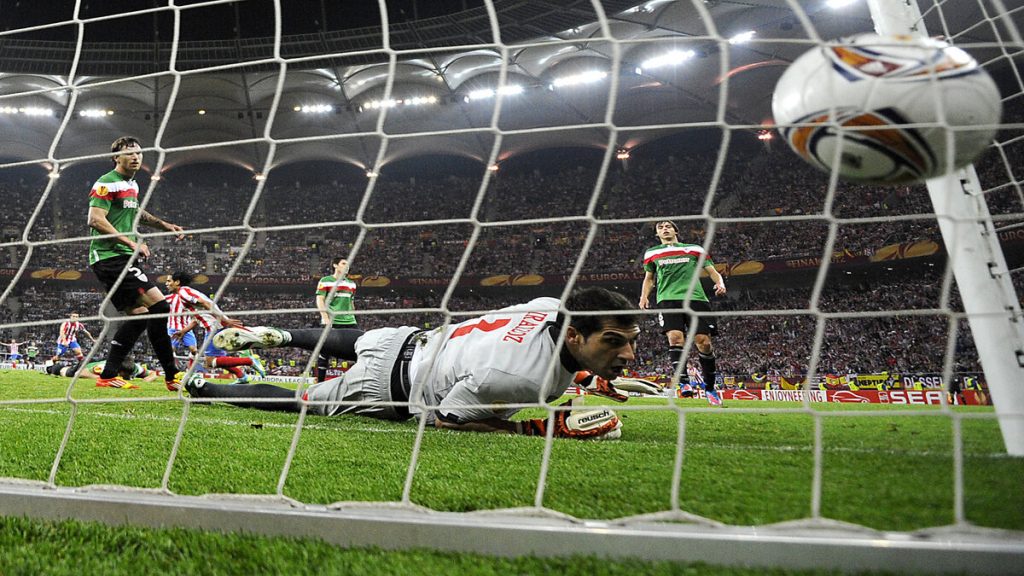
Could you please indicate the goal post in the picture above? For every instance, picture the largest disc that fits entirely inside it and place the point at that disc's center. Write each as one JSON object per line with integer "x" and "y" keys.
{"x": 515, "y": 533}
{"x": 977, "y": 260}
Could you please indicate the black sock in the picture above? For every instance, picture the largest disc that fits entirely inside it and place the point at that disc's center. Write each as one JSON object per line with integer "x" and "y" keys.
{"x": 675, "y": 355}
{"x": 124, "y": 340}
{"x": 222, "y": 391}
{"x": 322, "y": 364}
{"x": 338, "y": 344}
{"x": 707, "y": 368}
{"x": 160, "y": 340}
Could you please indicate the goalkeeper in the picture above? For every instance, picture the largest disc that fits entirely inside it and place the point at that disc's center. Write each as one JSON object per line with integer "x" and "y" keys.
{"x": 470, "y": 375}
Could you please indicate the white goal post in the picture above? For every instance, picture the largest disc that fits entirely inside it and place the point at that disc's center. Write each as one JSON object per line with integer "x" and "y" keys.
{"x": 979, "y": 266}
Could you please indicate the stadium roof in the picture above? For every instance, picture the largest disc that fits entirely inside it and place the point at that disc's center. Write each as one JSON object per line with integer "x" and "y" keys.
{"x": 224, "y": 97}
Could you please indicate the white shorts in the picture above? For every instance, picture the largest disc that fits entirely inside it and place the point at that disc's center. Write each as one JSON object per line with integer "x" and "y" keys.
{"x": 368, "y": 381}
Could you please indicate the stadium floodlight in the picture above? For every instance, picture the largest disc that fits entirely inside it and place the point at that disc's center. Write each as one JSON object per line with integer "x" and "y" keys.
{"x": 95, "y": 113}
{"x": 765, "y": 135}
{"x": 581, "y": 78}
{"x": 259, "y": 177}
{"x": 622, "y": 154}
{"x": 493, "y": 167}
{"x": 485, "y": 93}
{"x": 201, "y": 112}
{"x": 670, "y": 58}
{"x": 420, "y": 100}
{"x": 742, "y": 37}
{"x": 53, "y": 175}
{"x": 376, "y": 104}
{"x": 836, "y": 4}
{"x": 370, "y": 173}
{"x": 27, "y": 110}
{"x": 649, "y": 7}
{"x": 314, "y": 109}
{"x": 156, "y": 178}
{"x": 480, "y": 94}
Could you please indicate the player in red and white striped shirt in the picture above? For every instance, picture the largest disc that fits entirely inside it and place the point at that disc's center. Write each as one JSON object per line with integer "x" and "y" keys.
{"x": 176, "y": 324}
{"x": 67, "y": 338}
{"x": 199, "y": 310}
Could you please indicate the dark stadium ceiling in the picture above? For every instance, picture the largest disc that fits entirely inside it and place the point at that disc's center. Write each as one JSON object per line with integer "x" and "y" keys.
{"x": 229, "y": 73}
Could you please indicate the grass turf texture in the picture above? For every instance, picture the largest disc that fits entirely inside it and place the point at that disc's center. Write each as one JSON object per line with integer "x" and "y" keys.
{"x": 889, "y": 472}
{"x": 74, "y": 548}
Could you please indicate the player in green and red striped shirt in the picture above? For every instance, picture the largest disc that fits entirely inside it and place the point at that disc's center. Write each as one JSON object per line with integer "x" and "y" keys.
{"x": 334, "y": 294}
{"x": 113, "y": 205}
{"x": 674, "y": 265}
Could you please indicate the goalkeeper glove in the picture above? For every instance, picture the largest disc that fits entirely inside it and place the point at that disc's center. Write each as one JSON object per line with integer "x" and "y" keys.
{"x": 638, "y": 385}
{"x": 594, "y": 423}
{"x": 596, "y": 385}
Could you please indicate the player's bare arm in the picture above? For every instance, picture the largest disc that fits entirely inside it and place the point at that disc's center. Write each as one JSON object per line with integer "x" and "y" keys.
{"x": 155, "y": 222}
{"x": 488, "y": 425}
{"x": 645, "y": 291}
{"x": 716, "y": 277}
{"x": 321, "y": 305}
{"x": 98, "y": 221}
{"x": 180, "y": 334}
{"x": 219, "y": 314}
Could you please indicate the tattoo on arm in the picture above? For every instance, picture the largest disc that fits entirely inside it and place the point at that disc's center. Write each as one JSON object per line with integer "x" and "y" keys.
{"x": 149, "y": 219}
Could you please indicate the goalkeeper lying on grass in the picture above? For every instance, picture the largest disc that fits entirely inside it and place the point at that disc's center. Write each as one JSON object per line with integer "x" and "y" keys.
{"x": 474, "y": 375}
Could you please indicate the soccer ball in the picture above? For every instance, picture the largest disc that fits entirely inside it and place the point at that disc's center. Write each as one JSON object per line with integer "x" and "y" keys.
{"x": 891, "y": 105}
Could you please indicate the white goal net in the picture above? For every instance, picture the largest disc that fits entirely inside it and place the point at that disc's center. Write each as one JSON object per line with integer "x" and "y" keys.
{"x": 467, "y": 156}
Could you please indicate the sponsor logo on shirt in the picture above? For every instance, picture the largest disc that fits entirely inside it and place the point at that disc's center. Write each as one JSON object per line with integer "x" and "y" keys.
{"x": 665, "y": 261}
{"x": 131, "y": 203}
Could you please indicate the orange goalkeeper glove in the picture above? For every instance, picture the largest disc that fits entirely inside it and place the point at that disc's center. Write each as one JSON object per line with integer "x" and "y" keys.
{"x": 593, "y": 423}
{"x": 596, "y": 385}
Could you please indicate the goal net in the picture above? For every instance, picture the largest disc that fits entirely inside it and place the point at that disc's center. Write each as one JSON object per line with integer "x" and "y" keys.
{"x": 469, "y": 159}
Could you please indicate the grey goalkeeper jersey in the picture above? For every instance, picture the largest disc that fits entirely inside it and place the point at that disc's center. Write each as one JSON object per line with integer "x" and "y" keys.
{"x": 505, "y": 357}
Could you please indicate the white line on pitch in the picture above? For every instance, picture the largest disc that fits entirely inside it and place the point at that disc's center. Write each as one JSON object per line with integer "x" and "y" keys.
{"x": 221, "y": 421}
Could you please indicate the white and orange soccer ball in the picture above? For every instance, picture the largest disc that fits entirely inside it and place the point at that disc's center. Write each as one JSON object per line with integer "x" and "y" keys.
{"x": 901, "y": 109}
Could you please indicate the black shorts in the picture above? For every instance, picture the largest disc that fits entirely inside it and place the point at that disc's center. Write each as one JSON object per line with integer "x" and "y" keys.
{"x": 672, "y": 317}
{"x": 134, "y": 285}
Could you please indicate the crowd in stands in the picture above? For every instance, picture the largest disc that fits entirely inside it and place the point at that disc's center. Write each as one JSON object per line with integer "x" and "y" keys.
{"x": 768, "y": 331}
{"x": 781, "y": 199}
{"x": 784, "y": 207}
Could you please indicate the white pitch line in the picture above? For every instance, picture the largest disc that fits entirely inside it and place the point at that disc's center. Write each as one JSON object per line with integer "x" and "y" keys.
{"x": 221, "y": 421}
{"x": 370, "y": 429}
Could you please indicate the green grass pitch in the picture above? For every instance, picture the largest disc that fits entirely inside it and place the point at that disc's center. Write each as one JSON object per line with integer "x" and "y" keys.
{"x": 747, "y": 464}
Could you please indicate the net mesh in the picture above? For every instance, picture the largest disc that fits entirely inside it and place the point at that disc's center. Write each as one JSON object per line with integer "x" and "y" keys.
{"x": 752, "y": 205}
